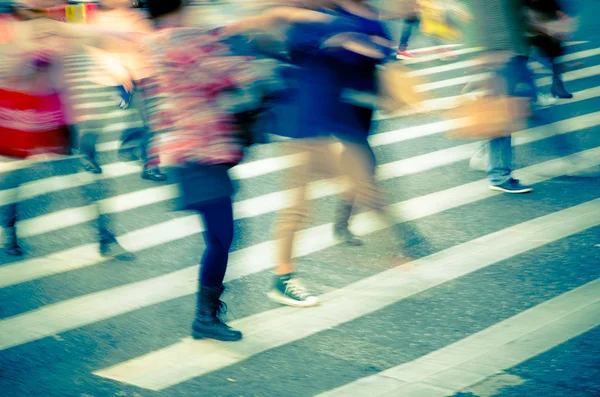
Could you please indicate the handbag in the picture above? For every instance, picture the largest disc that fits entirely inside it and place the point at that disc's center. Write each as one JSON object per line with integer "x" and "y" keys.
{"x": 490, "y": 117}
{"x": 397, "y": 89}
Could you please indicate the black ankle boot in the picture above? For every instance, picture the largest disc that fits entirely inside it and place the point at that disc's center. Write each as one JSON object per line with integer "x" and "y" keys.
{"x": 340, "y": 228}
{"x": 558, "y": 88}
{"x": 11, "y": 246}
{"x": 112, "y": 249}
{"x": 207, "y": 323}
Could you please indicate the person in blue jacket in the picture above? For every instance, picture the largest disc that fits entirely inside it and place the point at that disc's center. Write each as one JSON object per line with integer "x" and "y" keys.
{"x": 333, "y": 62}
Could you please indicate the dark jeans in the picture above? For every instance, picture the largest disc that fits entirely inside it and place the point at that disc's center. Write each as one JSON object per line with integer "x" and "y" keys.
{"x": 218, "y": 236}
{"x": 409, "y": 24}
{"x": 142, "y": 137}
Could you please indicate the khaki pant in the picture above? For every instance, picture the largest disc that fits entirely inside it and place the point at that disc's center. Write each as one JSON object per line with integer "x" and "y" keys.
{"x": 355, "y": 165}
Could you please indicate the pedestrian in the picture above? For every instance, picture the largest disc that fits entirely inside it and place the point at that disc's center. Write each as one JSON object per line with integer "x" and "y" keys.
{"x": 500, "y": 28}
{"x": 440, "y": 21}
{"x": 127, "y": 70}
{"x": 38, "y": 52}
{"x": 201, "y": 134}
{"x": 336, "y": 65}
{"x": 548, "y": 25}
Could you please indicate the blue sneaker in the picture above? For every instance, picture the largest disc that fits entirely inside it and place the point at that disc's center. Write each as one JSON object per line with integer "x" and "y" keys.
{"x": 512, "y": 186}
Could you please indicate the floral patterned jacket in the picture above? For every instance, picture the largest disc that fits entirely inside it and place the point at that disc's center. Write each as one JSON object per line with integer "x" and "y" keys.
{"x": 187, "y": 96}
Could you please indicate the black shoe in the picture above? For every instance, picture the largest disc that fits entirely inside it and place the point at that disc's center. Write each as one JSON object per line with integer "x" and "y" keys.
{"x": 340, "y": 228}
{"x": 91, "y": 165}
{"x": 14, "y": 249}
{"x": 208, "y": 323}
{"x": 344, "y": 234}
{"x": 112, "y": 249}
{"x": 154, "y": 174}
{"x": 512, "y": 186}
{"x": 558, "y": 89}
{"x": 11, "y": 244}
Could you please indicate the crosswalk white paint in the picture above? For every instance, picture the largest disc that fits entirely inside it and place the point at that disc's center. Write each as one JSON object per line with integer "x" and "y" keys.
{"x": 574, "y": 56}
{"x": 70, "y": 314}
{"x": 268, "y": 330}
{"x": 455, "y": 367}
{"x": 276, "y": 201}
{"x": 541, "y": 82}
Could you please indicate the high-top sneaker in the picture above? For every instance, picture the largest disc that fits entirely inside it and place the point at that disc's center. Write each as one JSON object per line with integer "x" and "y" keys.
{"x": 288, "y": 290}
{"x": 208, "y": 323}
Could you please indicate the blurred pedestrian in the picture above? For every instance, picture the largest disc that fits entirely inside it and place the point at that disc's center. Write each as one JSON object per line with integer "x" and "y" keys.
{"x": 37, "y": 49}
{"x": 500, "y": 28}
{"x": 548, "y": 26}
{"x": 440, "y": 21}
{"x": 336, "y": 66}
{"x": 127, "y": 70}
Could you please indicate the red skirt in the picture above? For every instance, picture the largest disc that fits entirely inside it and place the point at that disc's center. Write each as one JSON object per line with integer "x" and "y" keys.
{"x": 31, "y": 124}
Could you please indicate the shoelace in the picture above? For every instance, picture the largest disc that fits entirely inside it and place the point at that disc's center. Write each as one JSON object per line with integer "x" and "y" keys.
{"x": 295, "y": 288}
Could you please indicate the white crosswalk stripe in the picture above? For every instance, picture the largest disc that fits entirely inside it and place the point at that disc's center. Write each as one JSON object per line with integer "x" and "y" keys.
{"x": 464, "y": 363}
{"x": 413, "y": 153}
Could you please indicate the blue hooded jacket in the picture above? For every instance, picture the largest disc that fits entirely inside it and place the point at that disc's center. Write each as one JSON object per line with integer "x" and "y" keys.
{"x": 315, "y": 107}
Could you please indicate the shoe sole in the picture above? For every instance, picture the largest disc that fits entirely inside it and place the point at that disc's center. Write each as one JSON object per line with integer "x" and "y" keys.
{"x": 148, "y": 178}
{"x": 277, "y": 297}
{"x": 198, "y": 336}
{"x": 352, "y": 243}
{"x": 520, "y": 191}
{"x": 123, "y": 257}
{"x": 14, "y": 253}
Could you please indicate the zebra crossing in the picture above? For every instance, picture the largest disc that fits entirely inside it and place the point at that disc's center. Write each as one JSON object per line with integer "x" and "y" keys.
{"x": 501, "y": 282}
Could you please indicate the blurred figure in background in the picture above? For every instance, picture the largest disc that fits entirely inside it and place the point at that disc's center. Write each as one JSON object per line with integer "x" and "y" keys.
{"x": 410, "y": 23}
{"x": 37, "y": 49}
{"x": 127, "y": 69}
{"x": 548, "y": 25}
{"x": 501, "y": 29}
{"x": 33, "y": 110}
{"x": 440, "y": 21}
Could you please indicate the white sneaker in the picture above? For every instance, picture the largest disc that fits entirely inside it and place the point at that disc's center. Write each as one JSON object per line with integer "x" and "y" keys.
{"x": 545, "y": 101}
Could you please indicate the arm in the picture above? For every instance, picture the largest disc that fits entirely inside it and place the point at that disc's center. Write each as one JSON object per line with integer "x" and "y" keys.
{"x": 93, "y": 36}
